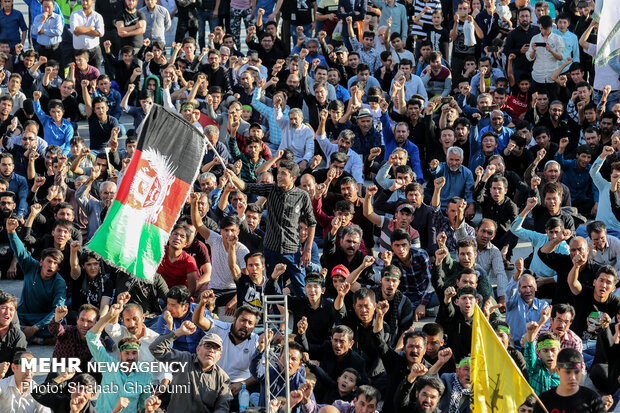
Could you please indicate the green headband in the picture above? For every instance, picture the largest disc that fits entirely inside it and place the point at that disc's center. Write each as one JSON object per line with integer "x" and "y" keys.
{"x": 187, "y": 105}
{"x": 571, "y": 366}
{"x": 465, "y": 362}
{"x": 504, "y": 329}
{"x": 129, "y": 346}
{"x": 548, "y": 343}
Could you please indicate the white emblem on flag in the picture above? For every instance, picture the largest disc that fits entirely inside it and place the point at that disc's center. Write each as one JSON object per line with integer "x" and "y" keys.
{"x": 151, "y": 184}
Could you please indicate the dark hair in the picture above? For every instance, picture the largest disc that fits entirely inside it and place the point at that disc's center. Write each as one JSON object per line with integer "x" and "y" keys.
{"x": 88, "y": 307}
{"x": 466, "y": 242}
{"x": 547, "y": 335}
{"x": 399, "y": 235}
{"x": 53, "y": 253}
{"x": 86, "y": 380}
{"x": 338, "y": 157}
{"x": 584, "y": 149}
{"x": 229, "y": 220}
{"x": 364, "y": 293}
{"x": 351, "y": 370}
{"x": 414, "y": 335}
{"x": 55, "y": 103}
{"x": 569, "y": 355}
{"x": 554, "y": 223}
{"x": 345, "y": 206}
{"x": 290, "y": 166}
{"x": 553, "y": 188}
{"x": 180, "y": 293}
{"x": 245, "y": 308}
{"x": 342, "y": 329}
{"x": 7, "y": 298}
{"x": 563, "y": 308}
{"x": 596, "y": 227}
{"x": 545, "y": 22}
{"x": 430, "y": 381}
{"x": 607, "y": 269}
{"x": 369, "y": 392}
{"x": 432, "y": 329}
{"x": 254, "y": 255}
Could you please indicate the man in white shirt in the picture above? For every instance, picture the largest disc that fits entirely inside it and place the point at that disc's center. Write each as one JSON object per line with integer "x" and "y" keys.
{"x": 87, "y": 27}
{"x": 296, "y": 136}
{"x": 15, "y": 391}
{"x": 238, "y": 340}
{"x": 546, "y": 50}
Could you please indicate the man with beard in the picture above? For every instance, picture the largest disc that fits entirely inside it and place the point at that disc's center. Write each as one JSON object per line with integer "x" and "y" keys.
{"x": 239, "y": 342}
{"x": 551, "y": 173}
{"x": 296, "y": 136}
{"x": 345, "y": 140}
{"x": 516, "y": 156}
{"x": 399, "y": 139}
{"x": 94, "y": 209}
{"x": 71, "y": 339}
{"x": 458, "y": 179}
{"x": 608, "y": 126}
{"x": 576, "y": 175}
{"x": 6, "y": 107}
{"x": 429, "y": 390}
{"x": 44, "y": 289}
{"x": 348, "y": 252}
{"x": 334, "y": 355}
{"x": 367, "y": 137}
{"x": 8, "y": 261}
{"x": 397, "y": 365}
{"x": 518, "y": 42}
{"x": 399, "y": 316}
{"x": 133, "y": 325}
{"x": 17, "y": 183}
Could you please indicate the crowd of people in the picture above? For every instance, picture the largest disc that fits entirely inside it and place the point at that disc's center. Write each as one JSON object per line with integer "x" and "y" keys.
{"x": 377, "y": 162}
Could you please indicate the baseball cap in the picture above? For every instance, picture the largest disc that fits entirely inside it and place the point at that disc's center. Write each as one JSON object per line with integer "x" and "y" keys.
{"x": 406, "y": 207}
{"x": 211, "y": 338}
{"x": 340, "y": 270}
{"x": 341, "y": 49}
{"x": 364, "y": 113}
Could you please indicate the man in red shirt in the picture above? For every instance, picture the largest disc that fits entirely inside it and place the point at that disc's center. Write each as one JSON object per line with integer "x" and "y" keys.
{"x": 178, "y": 267}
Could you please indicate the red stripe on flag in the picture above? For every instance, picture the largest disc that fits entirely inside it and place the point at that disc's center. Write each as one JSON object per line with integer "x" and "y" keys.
{"x": 123, "y": 191}
{"x": 174, "y": 202}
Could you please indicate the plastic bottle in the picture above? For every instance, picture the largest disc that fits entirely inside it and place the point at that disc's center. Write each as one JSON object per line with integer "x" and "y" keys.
{"x": 244, "y": 399}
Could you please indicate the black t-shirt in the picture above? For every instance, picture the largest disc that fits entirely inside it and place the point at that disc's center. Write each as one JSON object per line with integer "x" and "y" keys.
{"x": 88, "y": 290}
{"x": 438, "y": 37}
{"x": 100, "y": 132}
{"x": 584, "y": 401}
{"x": 249, "y": 293}
{"x": 301, "y": 12}
{"x": 129, "y": 19}
{"x": 588, "y": 312}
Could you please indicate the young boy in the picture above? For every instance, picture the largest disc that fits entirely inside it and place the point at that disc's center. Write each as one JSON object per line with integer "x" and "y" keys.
{"x": 569, "y": 395}
{"x": 541, "y": 357}
{"x": 437, "y": 34}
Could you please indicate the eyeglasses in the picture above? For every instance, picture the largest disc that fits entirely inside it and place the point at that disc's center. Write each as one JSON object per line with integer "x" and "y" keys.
{"x": 211, "y": 346}
{"x": 561, "y": 321}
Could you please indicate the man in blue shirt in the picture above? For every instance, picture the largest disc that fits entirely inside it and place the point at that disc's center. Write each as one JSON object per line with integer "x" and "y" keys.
{"x": 47, "y": 28}
{"x": 576, "y": 176}
{"x": 179, "y": 309}
{"x": 11, "y": 24}
{"x": 17, "y": 183}
{"x": 56, "y": 129}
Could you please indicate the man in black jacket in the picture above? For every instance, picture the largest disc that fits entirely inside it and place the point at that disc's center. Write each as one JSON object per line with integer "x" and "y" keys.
{"x": 217, "y": 75}
{"x": 518, "y": 42}
{"x": 334, "y": 356}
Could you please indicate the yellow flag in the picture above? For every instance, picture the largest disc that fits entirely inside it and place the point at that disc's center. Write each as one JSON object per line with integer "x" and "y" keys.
{"x": 497, "y": 384}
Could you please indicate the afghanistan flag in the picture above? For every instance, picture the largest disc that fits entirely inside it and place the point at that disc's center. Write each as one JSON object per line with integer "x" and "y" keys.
{"x": 151, "y": 195}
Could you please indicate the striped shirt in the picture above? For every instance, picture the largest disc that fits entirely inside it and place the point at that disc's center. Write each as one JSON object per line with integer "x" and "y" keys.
{"x": 284, "y": 210}
{"x": 427, "y": 18}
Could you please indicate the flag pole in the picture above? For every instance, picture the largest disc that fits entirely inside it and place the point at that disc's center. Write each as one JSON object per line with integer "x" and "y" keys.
{"x": 222, "y": 161}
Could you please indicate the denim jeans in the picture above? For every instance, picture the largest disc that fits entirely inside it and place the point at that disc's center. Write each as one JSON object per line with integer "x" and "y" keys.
{"x": 612, "y": 99}
{"x": 205, "y": 16}
{"x": 293, "y": 272}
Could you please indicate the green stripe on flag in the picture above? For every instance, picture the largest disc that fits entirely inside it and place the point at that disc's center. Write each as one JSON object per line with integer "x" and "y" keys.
{"x": 128, "y": 241}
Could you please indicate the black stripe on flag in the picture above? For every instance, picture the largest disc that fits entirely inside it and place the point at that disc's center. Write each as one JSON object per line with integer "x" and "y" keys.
{"x": 175, "y": 138}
